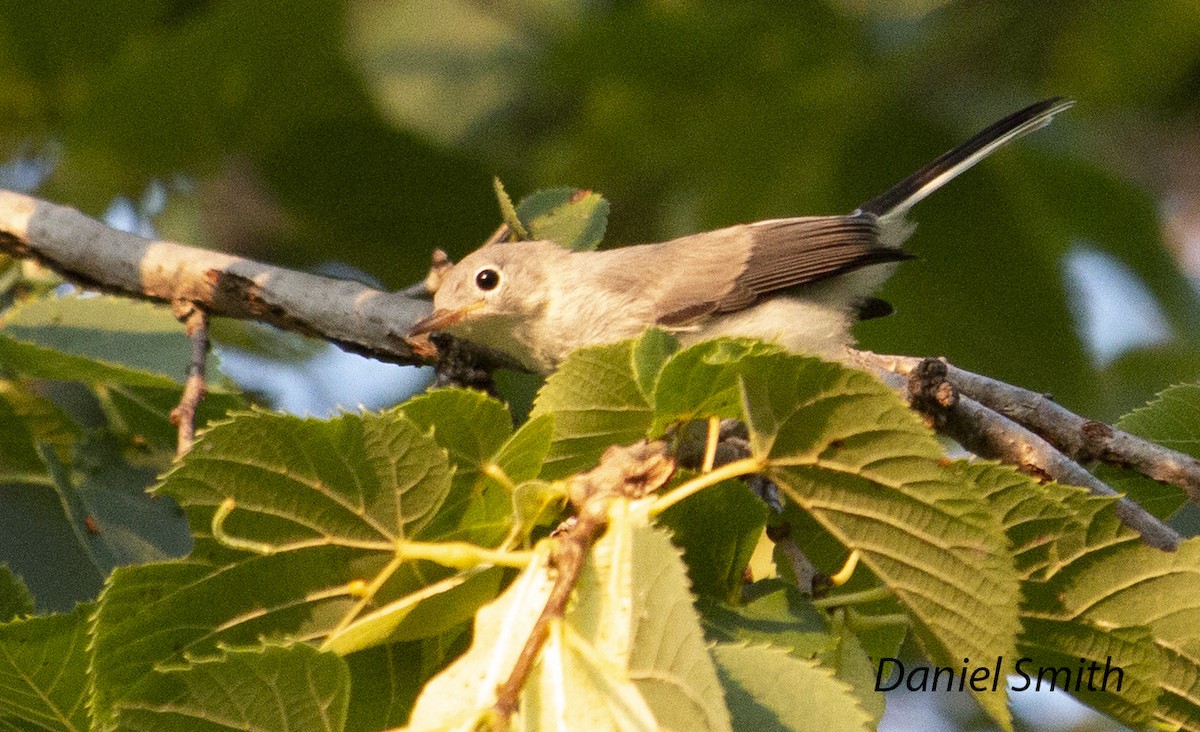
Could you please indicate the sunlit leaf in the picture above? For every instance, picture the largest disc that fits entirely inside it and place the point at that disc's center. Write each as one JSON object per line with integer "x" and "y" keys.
{"x": 596, "y": 403}
{"x": 845, "y": 449}
{"x": 301, "y": 567}
{"x": 1092, "y": 590}
{"x": 629, "y": 651}
{"x": 702, "y": 380}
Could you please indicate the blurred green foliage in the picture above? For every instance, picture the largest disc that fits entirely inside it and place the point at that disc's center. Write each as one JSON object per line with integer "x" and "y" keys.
{"x": 368, "y": 131}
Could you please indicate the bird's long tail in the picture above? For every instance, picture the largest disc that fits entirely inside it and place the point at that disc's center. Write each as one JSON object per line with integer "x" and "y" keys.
{"x": 893, "y": 204}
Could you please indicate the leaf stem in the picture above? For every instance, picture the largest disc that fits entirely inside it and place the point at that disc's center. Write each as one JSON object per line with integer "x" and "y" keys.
{"x": 368, "y": 594}
{"x": 853, "y": 598}
{"x": 710, "y": 446}
{"x": 496, "y": 473}
{"x": 843, "y": 576}
{"x": 860, "y": 621}
{"x": 736, "y": 469}
{"x": 461, "y": 555}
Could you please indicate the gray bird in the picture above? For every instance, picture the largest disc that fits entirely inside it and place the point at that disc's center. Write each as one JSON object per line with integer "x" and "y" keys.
{"x": 800, "y": 282}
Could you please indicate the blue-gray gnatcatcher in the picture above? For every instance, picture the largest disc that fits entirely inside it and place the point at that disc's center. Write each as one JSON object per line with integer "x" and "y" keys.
{"x": 801, "y": 282}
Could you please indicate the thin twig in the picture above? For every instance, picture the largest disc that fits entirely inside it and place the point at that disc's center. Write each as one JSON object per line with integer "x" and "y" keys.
{"x": 570, "y": 549}
{"x": 183, "y": 416}
{"x": 623, "y": 472}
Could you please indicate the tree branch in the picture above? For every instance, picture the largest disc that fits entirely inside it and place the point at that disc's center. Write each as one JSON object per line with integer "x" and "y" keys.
{"x": 358, "y": 318}
{"x": 989, "y": 434}
{"x": 1078, "y": 438}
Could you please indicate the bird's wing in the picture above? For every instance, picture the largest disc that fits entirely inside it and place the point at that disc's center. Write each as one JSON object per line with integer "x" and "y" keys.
{"x": 750, "y": 261}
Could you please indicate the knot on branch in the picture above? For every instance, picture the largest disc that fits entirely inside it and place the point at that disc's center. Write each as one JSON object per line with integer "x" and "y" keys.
{"x": 929, "y": 390}
{"x": 628, "y": 472}
{"x": 1097, "y": 440}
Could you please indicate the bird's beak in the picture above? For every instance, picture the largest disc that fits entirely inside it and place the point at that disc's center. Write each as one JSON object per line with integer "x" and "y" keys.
{"x": 441, "y": 319}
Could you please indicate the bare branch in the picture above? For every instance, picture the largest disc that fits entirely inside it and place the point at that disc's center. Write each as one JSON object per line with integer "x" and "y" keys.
{"x": 992, "y": 435}
{"x": 1079, "y": 438}
{"x": 356, "y": 317}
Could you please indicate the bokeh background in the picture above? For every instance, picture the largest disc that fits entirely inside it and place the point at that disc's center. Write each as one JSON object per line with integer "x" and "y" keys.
{"x": 354, "y": 136}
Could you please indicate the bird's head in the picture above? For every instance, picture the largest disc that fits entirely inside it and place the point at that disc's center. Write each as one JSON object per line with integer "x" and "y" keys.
{"x": 491, "y": 289}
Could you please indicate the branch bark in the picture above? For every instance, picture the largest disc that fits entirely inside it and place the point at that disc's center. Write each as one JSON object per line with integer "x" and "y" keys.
{"x": 358, "y": 318}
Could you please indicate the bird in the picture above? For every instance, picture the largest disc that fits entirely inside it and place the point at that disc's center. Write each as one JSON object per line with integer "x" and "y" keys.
{"x": 799, "y": 282}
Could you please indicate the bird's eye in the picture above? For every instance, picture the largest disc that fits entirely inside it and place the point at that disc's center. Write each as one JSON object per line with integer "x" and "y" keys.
{"x": 487, "y": 279}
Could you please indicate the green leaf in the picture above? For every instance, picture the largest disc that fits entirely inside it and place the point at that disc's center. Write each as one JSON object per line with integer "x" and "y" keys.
{"x": 702, "y": 380}
{"x": 1067, "y": 643}
{"x": 522, "y": 455}
{"x": 635, "y": 609}
{"x": 272, "y": 687}
{"x": 717, "y": 530}
{"x": 463, "y": 692}
{"x": 650, "y": 352}
{"x": 15, "y": 600}
{"x": 768, "y": 689}
{"x": 776, "y": 614}
{"x": 1179, "y": 704}
{"x": 845, "y": 449}
{"x": 142, "y": 414}
{"x": 538, "y": 503}
{"x": 575, "y": 219}
{"x": 477, "y": 433}
{"x": 521, "y": 458}
{"x": 318, "y": 511}
{"x": 1093, "y": 590}
{"x": 43, "y": 672}
{"x": 851, "y": 662}
{"x": 27, "y": 421}
{"x": 385, "y": 680}
{"x": 472, "y": 427}
{"x": 1171, "y": 420}
{"x": 85, "y": 513}
{"x": 596, "y": 403}
{"x": 96, "y": 339}
{"x": 1136, "y": 585}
